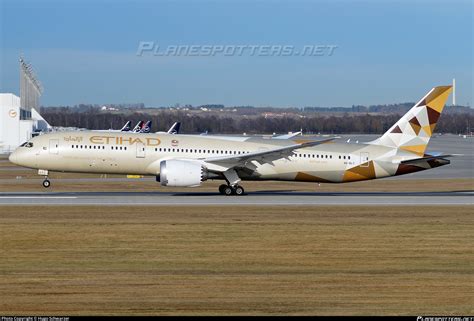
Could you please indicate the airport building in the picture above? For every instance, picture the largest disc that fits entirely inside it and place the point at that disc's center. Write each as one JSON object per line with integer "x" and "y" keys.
{"x": 19, "y": 116}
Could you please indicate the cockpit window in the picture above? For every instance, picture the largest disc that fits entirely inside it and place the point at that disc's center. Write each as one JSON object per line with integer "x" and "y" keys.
{"x": 27, "y": 145}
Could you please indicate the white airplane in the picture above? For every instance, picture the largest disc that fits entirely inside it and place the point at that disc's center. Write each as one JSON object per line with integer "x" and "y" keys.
{"x": 174, "y": 129}
{"x": 188, "y": 160}
{"x": 125, "y": 128}
{"x": 288, "y": 136}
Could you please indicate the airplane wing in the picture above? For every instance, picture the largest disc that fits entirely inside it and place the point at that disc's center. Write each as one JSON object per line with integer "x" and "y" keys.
{"x": 287, "y": 136}
{"x": 266, "y": 156}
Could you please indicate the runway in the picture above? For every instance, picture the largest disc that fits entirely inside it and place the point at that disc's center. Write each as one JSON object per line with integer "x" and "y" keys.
{"x": 254, "y": 198}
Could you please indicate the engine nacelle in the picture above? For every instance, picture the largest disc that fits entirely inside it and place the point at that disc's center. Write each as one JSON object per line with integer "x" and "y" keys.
{"x": 181, "y": 173}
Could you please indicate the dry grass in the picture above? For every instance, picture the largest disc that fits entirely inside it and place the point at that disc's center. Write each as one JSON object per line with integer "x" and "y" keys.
{"x": 243, "y": 260}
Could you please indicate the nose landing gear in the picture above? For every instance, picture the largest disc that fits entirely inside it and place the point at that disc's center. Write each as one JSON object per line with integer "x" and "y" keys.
{"x": 46, "y": 183}
{"x": 44, "y": 173}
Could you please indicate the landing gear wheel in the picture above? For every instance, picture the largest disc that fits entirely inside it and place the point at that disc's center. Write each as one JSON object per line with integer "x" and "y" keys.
{"x": 46, "y": 183}
{"x": 239, "y": 190}
{"x": 228, "y": 191}
{"x": 221, "y": 188}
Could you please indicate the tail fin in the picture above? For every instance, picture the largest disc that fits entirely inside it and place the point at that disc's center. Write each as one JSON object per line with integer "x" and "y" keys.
{"x": 413, "y": 131}
{"x": 127, "y": 126}
{"x": 174, "y": 129}
{"x": 146, "y": 128}
{"x": 137, "y": 127}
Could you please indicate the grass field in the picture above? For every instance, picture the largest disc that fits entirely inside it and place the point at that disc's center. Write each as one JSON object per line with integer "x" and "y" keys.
{"x": 237, "y": 260}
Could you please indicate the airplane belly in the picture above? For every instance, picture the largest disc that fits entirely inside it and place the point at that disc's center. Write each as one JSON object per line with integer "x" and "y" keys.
{"x": 304, "y": 171}
{"x": 99, "y": 164}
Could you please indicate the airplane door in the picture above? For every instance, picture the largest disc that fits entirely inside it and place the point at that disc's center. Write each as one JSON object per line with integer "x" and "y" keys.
{"x": 364, "y": 159}
{"x": 140, "y": 150}
{"x": 53, "y": 146}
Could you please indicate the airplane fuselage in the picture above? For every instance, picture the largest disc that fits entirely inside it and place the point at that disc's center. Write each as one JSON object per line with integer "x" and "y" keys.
{"x": 141, "y": 154}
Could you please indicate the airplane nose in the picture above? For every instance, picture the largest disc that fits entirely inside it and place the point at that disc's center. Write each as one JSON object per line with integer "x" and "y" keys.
{"x": 13, "y": 157}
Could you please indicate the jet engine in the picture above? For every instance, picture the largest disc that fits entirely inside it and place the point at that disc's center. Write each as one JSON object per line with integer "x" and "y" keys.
{"x": 181, "y": 173}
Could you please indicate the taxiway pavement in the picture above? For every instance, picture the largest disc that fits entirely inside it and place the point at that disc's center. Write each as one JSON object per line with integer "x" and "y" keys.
{"x": 254, "y": 198}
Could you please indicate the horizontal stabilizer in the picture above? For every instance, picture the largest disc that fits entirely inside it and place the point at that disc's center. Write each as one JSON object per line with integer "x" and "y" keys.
{"x": 430, "y": 157}
{"x": 427, "y": 159}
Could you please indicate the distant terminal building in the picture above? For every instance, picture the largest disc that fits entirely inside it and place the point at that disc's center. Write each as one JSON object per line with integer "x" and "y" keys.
{"x": 19, "y": 116}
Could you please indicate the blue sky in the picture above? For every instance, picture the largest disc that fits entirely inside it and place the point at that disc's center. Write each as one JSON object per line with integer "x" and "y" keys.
{"x": 387, "y": 51}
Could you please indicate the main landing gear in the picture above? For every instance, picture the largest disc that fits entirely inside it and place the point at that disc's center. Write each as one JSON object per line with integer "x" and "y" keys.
{"x": 228, "y": 190}
{"x": 232, "y": 187}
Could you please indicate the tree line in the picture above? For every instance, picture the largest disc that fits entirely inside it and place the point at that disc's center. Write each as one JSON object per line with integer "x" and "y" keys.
{"x": 238, "y": 124}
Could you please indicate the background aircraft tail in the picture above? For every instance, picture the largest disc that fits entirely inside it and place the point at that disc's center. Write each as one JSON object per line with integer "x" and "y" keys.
{"x": 146, "y": 128}
{"x": 137, "y": 127}
{"x": 175, "y": 128}
{"x": 413, "y": 131}
{"x": 127, "y": 126}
